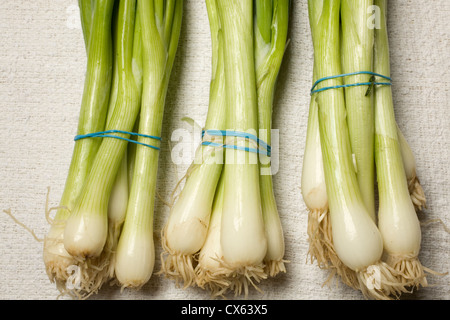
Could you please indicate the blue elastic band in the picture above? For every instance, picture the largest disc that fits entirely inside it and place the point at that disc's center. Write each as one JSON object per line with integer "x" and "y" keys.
{"x": 106, "y": 134}
{"x": 221, "y": 133}
{"x": 351, "y": 85}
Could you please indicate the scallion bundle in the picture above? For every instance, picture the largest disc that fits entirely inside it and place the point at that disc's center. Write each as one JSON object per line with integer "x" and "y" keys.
{"x": 224, "y": 232}
{"x": 104, "y": 227}
{"x": 397, "y": 218}
{"x": 97, "y": 24}
{"x": 351, "y": 114}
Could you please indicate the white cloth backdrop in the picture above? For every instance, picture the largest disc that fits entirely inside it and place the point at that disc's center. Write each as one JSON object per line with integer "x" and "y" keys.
{"x": 42, "y": 66}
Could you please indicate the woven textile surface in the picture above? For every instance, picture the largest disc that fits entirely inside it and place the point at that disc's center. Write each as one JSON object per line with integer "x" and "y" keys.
{"x": 42, "y": 69}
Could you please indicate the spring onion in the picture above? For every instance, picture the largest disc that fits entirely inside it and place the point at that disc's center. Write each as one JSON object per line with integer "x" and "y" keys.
{"x": 160, "y": 27}
{"x": 242, "y": 234}
{"x": 233, "y": 94}
{"x": 86, "y": 228}
{"x": 398, "y": 221}
{"x": 314, "y": 193}
{"x": 372, "y": 249}
{"x": 356, "y": 238}
{"x": 186, "y": 229}
{"x": 409, "y": 164}
{"x": 211, "y": 274}
{"x": 270, "y": 33}
{"x": 357, "y": 42}
{"x": 103, "y": 229}
{"x": 224, "y": 232}
{"x": 92, "y": 119}
{"x": 118, "y": 199}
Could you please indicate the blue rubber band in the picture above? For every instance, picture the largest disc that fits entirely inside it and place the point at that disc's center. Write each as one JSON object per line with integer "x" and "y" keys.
{"x": 221, "y": 133}
{"x": 106, "y": 134}
{"x": 350, "y": 85}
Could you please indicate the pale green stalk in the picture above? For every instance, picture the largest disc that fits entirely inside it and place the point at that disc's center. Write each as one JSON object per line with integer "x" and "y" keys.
{"x": 356, "y": 239}
{"x": 314, "y": 194}
{"x": 243, "y": 240}
{"x": 86, "y": 10}
{"x": 213, "y": 272}
{"x": 118, "y": 201}
{"x": 119, "y": 192}
{"x": 313, "y": 180}
{"x": 264, "y": 15}
{"x": 86, "y": 229}
{"x": 131, "y": 155}
{"x": 135, "y": 252}
{"x": 313, "y": 185}
{"x": 398, "y": 220}
{"x": 92, "y": 119}
{"x": 270, "y": 32}
{"x": 409, "y": 163}
{"x": 357, "y": 55}
{"x": 187, "y": 226}
{"x": 342, "y": 186}
{"x": 210, "y": 272}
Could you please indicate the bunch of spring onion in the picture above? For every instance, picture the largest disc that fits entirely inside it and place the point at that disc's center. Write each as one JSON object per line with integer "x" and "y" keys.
{"x": 351, "y": 135}
{"x": 103, "y": 228}
{"x": 224, "y": 233}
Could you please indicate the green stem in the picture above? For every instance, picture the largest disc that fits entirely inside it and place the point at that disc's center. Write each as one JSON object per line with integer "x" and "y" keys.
{"x": 244, "y": 243}
{"x": 186, "y": 229}
{"x": 86, "y": 19}
{"x": 93, "y": 106}
{"x": 356, "y": 238}
{"x": 264, "y": 15}
{"x": 136, "y": 240}
{"x": 340, "y": 176}
{"x": 94, "y": 198}
{"x": 266, "y": 75}
{"x": 119, "y": 195}
{"x": 397, "y": 217}
{"x": 357, "y": 55}
{"x": 387, "y": 151}
{"x": 156, "y": 70}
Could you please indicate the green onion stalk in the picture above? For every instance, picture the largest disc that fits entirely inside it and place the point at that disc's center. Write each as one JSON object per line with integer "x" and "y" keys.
{"x": 211, "y": 274}
{"x": 314, "y": 193}
{"x": 357, "y": 43}
{"x": 356, "y": 238}
{"x": 242, "y": 234}
{"x": 232, "y": 256}
{"x": 87, "y": 229}
{"x": 398, "y": 221}
{"x": 356, "y": 49}
{"x": 188, "y": 228}
{"x": 92, "y": 119}
{"x": 409, "y": 164}
{"x": 118, "y": 200}
{"x": 214, "y": 272}
{"x": 270, "y": 34}
{"x": 160, "y": 30}
{"x": 85, "y": 7}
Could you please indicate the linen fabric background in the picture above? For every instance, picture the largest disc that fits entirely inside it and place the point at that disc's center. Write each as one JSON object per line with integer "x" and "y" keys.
{"x": 42, "y": 69}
